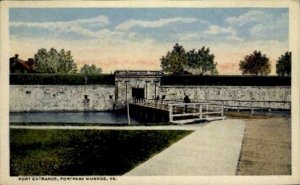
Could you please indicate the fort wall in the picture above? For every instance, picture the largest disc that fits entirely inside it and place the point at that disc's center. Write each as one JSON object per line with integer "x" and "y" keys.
{"x": 267, "y": 92}
{"x": 276, "y": 97}
{"x": 61, "y": 98}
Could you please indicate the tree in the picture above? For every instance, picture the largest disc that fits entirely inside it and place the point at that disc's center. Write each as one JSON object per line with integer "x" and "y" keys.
{"x": 283, "y": 64}
{"x": 53, "y": 61}
{"x": 201, "y": 62}
{"x": 255, "y": 64}
{"x": 90, "y": 69}
{"x": 175, "y": 61}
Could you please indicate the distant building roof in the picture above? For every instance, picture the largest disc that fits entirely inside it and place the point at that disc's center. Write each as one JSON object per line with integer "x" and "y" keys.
{"x": 19, "y": 65}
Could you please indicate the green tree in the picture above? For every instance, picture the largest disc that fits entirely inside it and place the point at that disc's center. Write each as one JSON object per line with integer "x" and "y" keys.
{"x": 283, "y": 64}
{"x": 175, "y": 61}
{"x": 201, "y": 62}
{"x": 53, "y": 61}
{"x": 255, "y": 64}
{"x": 90, "y": 69}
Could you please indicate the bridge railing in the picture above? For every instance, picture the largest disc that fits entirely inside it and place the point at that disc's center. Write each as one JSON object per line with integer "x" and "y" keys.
{"x": 255, "y": 104}
{"x": 195, "y": 111}
{"x": 243, "y": 104}
{"x": 152, "y": 103}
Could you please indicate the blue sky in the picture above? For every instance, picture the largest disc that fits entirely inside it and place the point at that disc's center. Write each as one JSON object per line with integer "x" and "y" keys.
{"x": 136, "y": 38}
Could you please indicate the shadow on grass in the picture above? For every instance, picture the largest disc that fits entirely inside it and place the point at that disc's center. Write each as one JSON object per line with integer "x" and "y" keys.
{"x": 84, "y": 152}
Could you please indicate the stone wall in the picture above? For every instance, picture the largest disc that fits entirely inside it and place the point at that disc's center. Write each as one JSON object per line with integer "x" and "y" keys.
{"x": 104, "y": 97}
{"x": 61, "y": 98}
{"x": 130, "y": 85}
{"x": 278, "y": 97}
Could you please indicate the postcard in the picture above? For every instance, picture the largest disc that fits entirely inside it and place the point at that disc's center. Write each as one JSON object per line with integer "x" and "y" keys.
{"x": 149, "y": 92}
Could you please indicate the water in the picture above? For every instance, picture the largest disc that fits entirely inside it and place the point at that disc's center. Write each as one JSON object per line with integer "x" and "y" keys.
{"x": 71, "y": 117}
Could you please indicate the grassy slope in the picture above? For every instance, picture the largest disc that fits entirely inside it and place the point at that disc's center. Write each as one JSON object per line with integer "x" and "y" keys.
{"x": 84, "y": 152}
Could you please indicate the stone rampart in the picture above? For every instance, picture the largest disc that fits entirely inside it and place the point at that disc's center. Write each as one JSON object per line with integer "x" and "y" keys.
{"x": 61, "y": 98}
{"x": 277, "y": 97}
{"x": 267, "y": 92}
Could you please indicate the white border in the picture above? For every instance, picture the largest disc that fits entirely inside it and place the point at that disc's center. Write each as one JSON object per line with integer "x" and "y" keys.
{"x": 294, "y": 46}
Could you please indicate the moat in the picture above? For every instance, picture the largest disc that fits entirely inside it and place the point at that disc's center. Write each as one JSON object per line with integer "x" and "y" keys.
{"x": 70, "y": 117}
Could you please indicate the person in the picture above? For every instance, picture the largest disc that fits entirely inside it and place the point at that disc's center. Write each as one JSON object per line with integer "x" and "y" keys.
{"x": 163, "y": 97}
{"x": 186, "y": 100}
{"x": 157, "y": 98}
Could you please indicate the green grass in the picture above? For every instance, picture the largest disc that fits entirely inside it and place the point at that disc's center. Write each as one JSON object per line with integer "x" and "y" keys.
{"x": 84, "y": 152}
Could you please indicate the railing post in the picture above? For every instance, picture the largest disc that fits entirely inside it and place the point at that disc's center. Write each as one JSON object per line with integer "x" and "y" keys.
{"x": 128, "y": 113}
{"x": 222, "y": 109}
{"x": 206, "y": 109}
{"x": 170, "y": 113}
{"x": 200, "y": 111}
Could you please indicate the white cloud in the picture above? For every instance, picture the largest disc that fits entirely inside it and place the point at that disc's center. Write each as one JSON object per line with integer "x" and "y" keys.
{"x": 250, "y": 16}
{"x": 189, "y": 36}
{"x": 277, "y": 29}
{"x": 234, "y": 38}
{"x": 213, "y": 33}
{"x": 153, "y": 24}
{"x": 80, "y": 26}
{"x": 215, "y": 30}
{"x": 262, "y": 25}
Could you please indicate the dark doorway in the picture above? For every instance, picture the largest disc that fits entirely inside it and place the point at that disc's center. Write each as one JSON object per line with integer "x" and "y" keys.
{"x": 138, "y": 93}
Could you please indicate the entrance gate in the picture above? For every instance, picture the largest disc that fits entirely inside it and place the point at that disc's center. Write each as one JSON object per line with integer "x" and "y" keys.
{"x": 138, "y": 93}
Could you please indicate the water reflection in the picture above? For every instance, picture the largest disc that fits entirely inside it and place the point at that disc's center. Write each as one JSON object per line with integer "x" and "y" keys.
{"x": 71, "y": 117}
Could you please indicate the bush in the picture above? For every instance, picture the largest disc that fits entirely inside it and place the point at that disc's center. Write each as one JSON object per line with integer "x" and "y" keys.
{"x": 225, "y": 80}
{"x": 59, "y": 79}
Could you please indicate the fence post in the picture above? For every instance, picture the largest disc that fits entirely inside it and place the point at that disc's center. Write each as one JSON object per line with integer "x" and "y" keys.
{"x": 170, "y": 113}
{"x": 222, "y": 109}
{"x": 128, "y": 113}
{"x": 206, "y": 110}
{"x": 200, "y": 111}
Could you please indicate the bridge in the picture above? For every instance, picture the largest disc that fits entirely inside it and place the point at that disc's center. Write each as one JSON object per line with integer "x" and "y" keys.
{"x": 147, "y": 111}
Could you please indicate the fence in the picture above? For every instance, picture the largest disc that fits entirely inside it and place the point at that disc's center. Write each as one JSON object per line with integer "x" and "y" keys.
{"x": 188, "y": 112}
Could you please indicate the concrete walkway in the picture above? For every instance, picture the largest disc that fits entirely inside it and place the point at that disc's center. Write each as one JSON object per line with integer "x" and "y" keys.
{"x": 211, "y": 150}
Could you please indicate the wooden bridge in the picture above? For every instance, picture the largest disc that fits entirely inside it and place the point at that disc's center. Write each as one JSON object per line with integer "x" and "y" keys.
{"x": 178, "y": 113}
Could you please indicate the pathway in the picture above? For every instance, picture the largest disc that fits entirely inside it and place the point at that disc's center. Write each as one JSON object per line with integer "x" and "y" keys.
{"x": 211, "y": 150}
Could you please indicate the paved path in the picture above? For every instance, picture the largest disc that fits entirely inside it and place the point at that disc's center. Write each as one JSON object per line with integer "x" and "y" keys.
{"x": 211, "y": 150}
{"x": 266, "y": 147}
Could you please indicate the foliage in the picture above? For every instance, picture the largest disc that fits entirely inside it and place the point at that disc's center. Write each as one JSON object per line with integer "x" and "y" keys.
{"x": 283, "y": 64}
{"x": 211, "y": 80}
{"x": 90, "y": 69}
{"x": 179, "y": 62}
{"x": 84, "y": 152}
{"x": 255, "y": 64}
{"x": 61, "y": 79}
{"x": 175, "y": 61}
{"x": 53, "y": 61}
{"x": 201, "y": 61}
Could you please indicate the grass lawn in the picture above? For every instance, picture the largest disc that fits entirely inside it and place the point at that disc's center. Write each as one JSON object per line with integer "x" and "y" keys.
{"x": 84, "y": 152}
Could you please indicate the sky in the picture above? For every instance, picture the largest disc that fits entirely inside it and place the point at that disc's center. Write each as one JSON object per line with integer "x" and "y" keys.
{"x": 137, "y": 38}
